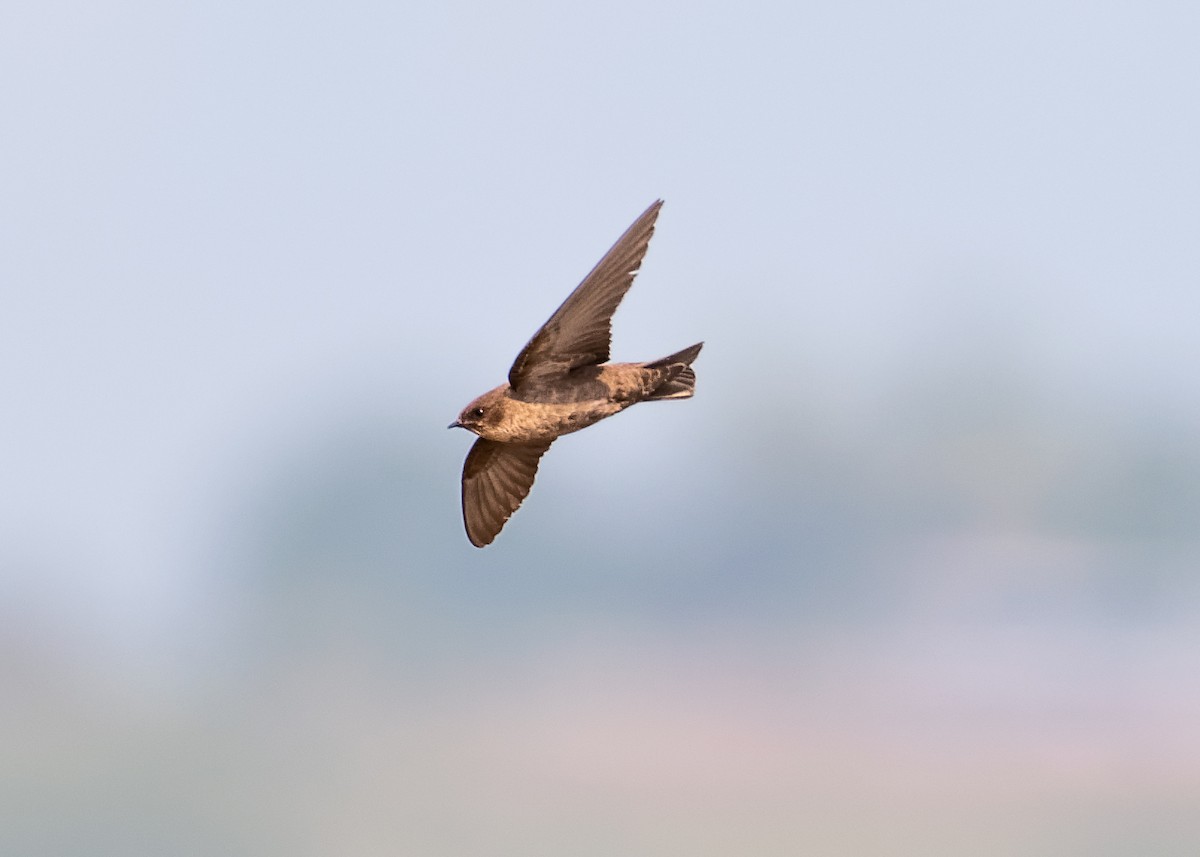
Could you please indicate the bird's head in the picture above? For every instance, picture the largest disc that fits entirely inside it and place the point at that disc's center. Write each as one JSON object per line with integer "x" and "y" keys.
{"x": 482, "y": 413}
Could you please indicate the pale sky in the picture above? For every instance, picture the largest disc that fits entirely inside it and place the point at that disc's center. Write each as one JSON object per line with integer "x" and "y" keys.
{"x": 255, "y": 256}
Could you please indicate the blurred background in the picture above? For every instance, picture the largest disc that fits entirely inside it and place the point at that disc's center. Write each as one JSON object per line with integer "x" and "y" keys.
{"x": 915, "y": 572}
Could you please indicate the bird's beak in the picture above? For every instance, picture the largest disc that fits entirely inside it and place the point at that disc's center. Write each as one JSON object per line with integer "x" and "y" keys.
{"x": 455, "y": 424}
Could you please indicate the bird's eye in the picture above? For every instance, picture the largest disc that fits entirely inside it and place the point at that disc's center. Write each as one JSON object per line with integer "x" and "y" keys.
{"x": 476, "y": 413}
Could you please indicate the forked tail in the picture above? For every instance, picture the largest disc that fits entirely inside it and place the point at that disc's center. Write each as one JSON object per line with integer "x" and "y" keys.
{"x": 679, "y": 382}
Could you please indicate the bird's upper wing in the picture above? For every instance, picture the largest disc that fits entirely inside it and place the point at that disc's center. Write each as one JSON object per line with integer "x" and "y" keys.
{"x": 580, "y": 331}
{"x": 496, "y": 478}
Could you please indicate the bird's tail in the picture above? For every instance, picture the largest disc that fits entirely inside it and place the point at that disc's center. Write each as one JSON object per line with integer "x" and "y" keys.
{"x": 679, "y": 382}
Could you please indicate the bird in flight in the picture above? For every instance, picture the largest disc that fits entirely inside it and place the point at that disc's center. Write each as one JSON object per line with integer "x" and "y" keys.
{"x": 562, "y": 382}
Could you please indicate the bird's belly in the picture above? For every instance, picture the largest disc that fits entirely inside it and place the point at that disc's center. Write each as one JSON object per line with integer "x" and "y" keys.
{"x": 532, "y": 421}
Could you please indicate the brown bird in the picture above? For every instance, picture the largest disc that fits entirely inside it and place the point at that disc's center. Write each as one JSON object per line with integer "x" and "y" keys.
{"x": 561, "y": 382}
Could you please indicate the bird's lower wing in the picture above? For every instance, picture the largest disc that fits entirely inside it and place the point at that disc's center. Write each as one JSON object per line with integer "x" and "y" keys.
{"x": 496, "y": 478}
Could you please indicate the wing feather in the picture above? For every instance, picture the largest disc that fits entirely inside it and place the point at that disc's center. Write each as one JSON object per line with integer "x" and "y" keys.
{"x": 580, "y": 330}
{"x": 496, "y": 479}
